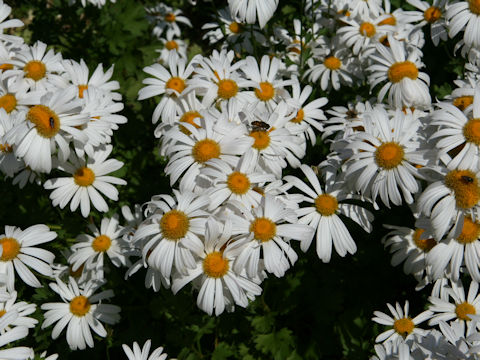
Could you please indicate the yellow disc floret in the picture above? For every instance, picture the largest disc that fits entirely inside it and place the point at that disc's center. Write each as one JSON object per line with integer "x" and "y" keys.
{"x": 403, "y": 326}
{"x": 84, "y": 176}
{"x": 227, "y": 89}
{"x": 174, "y": 225}
{"x": 471, "y": 131}
{"x": 176, "y": 83}
{"x": 389, "y": 155}
{"x": 6, "y": 148}
{"x": 464, "y": 309}
{"x": 81, "y": 89}
{"x": 423, "y": 244}
{"x": 262, "y": 139}
{"x": 367, "y": 29}
{"x": 8, "y": 102}
{"x": 401, "y": 70}
{"x": 35, "y": 70}
{"x": 235, "y": 27}
{"x": 11, "y": 248}
{"x": 238, "y": 183}
{"x": 470, "y": 231}
{"x": 79, "y": 305}
{"x": 171, "y": 45}
{"x": 101, "y": 243}
{"x": 263, "y": 229}
{"x": 432, "y": 14}
{"x": 170, "y": 17}
{"x": 332, "y": 63}
{"x": 462, "y": 102}
{"x": 189, "y": 118}
{"x": 215, "y": 265}
{"x": 205, "y": 150}
{"x": 266, "y": 91}
{"x": 388, "y": 21}
{"x": 474, "y": 6}
{"x": 465, "y": 186}
{"x": 46, "y": 121}
{"x": 326, "y": 204}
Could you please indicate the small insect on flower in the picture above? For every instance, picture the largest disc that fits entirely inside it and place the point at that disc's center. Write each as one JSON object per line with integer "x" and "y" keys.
{"x": 467, "y": 179}
{"x": 52, "y": 122}
{"x": 259, "y": 126}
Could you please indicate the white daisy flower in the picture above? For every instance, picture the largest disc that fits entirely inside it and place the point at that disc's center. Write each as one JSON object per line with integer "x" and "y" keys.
{"x": 404, "y": 327}
{"x": 364, "y": 8}
{"x": 251, "y": 10}
{"x": 217, "y": 138}
{"x": 171, "y": 84}
{"x": 15, "y": 97}
{"x": 166, "y": 18}
{"x": 22, "y": 308}
{"x": 267, "y": 229}
{"x": 19, "y": 253}
{"x": 458, "y": 135}
{"x": 80, "y": 311}
{"x": 135, "y": 353}
{"x": 433, "y": 14}
{"x": 78, "y": 74}
{"x": 221, "y": 286}
{"x": 39, "y": 69}
{"x": 9, "y": 163}
{"x": 387, "y": 153}
{"x": 323, "y": 216}
{"x": 16, "y": 333}
{"x": 465, "y": 16}
{"x": 406, "y": 85}
{"x": 346, "y": 120}
{"x": 90, "y": 251}
{"x": 171, "y": 47}
{"x": 459, "y": 310}
{"x": 88, "y": 178}
{"x": 51, "y": 124}
{"x": 172, "y": 231}
{"x": 5, "y": 12}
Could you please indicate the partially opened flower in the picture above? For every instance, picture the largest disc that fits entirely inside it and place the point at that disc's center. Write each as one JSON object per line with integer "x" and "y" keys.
{"x": 135, "y": 353}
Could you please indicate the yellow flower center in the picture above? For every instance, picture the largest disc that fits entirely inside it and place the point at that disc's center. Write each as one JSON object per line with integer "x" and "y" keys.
{"x": 332, "y": 63}
{"x": 266, "y": 91}
{"x": 462, "y": 102}
{"x": 474, "y": 6}
{"x": 8, "y": 102}
{"x": 170, "y": 17}
{"x": 171, "y": 45}
{"x": 423, "y": 244}
{"x": 471, "y": 131}
{"x": 205, "y": 150}
{"x": 464, "y": 309}
{"x": 238, "y": 183}
{"x": 432, "y": 14}
{"x": 79, "y": 305}
{"x": 367, "y": 29}
{"x": 299, "y": 117}
{"x": 465, "y": 186}
{"x": 401, "y": 70}
{"x": 2, "y": 312}
{"x": 403, "y": 326}
{"x": 326, "y": 204}
{"x": 388, "y": 21}
{"x": 84, "y": 176}
{"x": 227, "y": 89}
{"x": 235, "y": 27}
{"x": 188, "y": 117}
{"x": 4, "y": 67}
{"x": 389, "y": 155}
{"x": 262, "y": 139}
{"x": 174, "y": 225}
{"x": 263, "y": 229}
{"x": 470, "y": 231}
{"x": 215, "y": 265}
{"x": 11, "y": 248}
{"x": 35, "y": 70}
{"x": 46, "y": 121}
{"x": 101, "y": 243}
{"x": 176, "y": 83}
{"x": 81, "y": 89}
{"x": 6, "y": 148}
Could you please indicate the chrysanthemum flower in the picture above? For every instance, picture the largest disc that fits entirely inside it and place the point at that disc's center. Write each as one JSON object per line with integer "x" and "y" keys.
{"x": 51, "y": 124}
{"x": 143, "y": 354}
{"x": 250, "y": 10}
{"x": 465, "y": 15}
{"x": 22, "y": 308}
{"x": 89, "y": 251}
{"x": 404, "y": 327}
{"x": 220, "y": 284}
{"x": 387, "y": 153}
{"x": 16, "y": 333}
{"x": 406, "y": 85}
{"x": 19, "y": 253}
{"x": 9, "y": 163}
{"x": 80, "y": 311}
{"x": 167, "y": 18}
{"x": 323, "y": 215}
{"x": 433, "y": 14}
